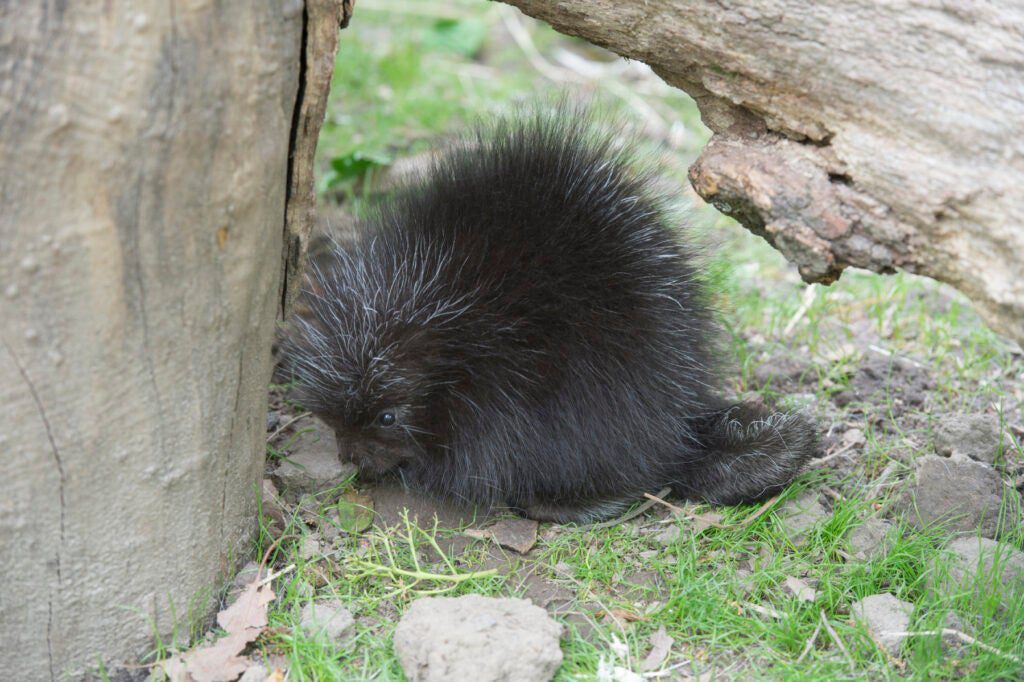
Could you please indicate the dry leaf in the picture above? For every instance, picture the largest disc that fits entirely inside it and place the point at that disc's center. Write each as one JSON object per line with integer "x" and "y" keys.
{"x": 221, "y": 661}
{"x": 661, "y": 644}
{"x": 355, "y": 512}
{"x": 174, "y": 669}
{"x": 244, "y": 620}
{"x": 763, "y": 610}
{"x": 248, "y": 611}
{"x": 276, "y": 676}
{"x": 799, "y": 589}
{"x": 620, "y": 614}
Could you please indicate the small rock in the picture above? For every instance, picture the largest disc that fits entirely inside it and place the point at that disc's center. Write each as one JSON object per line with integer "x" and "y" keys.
{"x": 273, "y": 420}
{"x": 477, "y": 638}
{"x": 974, "y": 564}
{"x": 884, "y": 615}
{"x": 800, "y": 515}
{"x": 962, "y": 494}
{"x": 870, "y": 541}
{"x": 669, "y": 535}
{"x": 519, "y": 535}
{"x": 313, "y": 465}
{"x": 975, "y": 436}
{"x": 328, "y": 617}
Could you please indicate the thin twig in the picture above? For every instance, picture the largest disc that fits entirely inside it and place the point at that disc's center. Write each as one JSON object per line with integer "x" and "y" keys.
{"x": 628, "y": 515}
{"x": 805, "y": 305}
{"x": 810, "y": 643}
{"x": 282, "y": 427}
{"x": 656, "y": 499}
{"x": 768, "y": 504}
{"x": 665, "y": 671}
{"x": 832, "y": 455}
{"x": 835, "y": 638}
{"x": 273, "y": 546}
{"x": 963, "y": 637}
{"x": 560, "y": 74}
{"x": 377, "y": 569}
{"x": 277, "y": 574}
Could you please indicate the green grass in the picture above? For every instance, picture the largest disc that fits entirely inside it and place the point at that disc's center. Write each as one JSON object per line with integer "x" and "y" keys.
{"x": 703, "y": 603}
{"x": 409, "y": 72}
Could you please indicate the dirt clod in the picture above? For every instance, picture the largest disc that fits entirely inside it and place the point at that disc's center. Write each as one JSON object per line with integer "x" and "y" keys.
{"x": 975, "y": 436}
{"x": 328, "y": 617}
{"x": 885, "y": 616}
{"x": 477, "y": 638}
{"x": 871, "y": 540}
{"x": 669, "y": 535}
{"x": 983, "y": 565}
{"x": 885, "y": 376}
{"x": 800, "y": 515}
{"x": 964, "y": 494}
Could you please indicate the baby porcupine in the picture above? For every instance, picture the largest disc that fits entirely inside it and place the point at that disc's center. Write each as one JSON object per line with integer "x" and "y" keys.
{"x": 523, "y": 327}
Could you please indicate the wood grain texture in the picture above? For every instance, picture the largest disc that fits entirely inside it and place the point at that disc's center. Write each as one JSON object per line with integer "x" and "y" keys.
{"x": 143, "y": 183}
{"x": 850, "y": 133}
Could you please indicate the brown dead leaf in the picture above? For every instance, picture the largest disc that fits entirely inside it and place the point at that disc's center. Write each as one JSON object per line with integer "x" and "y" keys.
{"x": 661, "y": 644}
{"x": 620, "y": 614}
{"x": 221, "y": 661}
{"x": 799, "y": 589}
{"x": 244, "y": 620}
{"x": 174, "y": 669}
{"x": 249, "y": 611}
{"x": 276, "y": 676}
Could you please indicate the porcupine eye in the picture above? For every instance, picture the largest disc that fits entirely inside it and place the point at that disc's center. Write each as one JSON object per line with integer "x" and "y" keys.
{"x": 386, "y": 418}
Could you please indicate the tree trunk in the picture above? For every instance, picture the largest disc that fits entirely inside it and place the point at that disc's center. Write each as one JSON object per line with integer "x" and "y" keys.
{"x": 143, "y": 187}
{"x": 879, "y": 135}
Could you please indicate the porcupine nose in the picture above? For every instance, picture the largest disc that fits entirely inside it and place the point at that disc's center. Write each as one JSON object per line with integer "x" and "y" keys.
{"x": 345, "y": 451}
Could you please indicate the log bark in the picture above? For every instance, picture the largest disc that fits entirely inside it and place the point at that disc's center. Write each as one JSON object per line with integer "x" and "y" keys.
{"x": 850, "y": 133}
{"x": 145, "y": 171}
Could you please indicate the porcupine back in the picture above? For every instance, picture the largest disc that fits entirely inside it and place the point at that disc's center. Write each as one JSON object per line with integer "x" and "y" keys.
{"x": 529, "y": 312}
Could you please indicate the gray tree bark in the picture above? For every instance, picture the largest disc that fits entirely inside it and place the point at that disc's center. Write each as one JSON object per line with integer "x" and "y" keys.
{"x": 145, "y": 252}
{"x": 849, "y": 132}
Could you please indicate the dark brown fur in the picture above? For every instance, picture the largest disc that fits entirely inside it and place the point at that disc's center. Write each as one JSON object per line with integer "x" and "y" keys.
{"x": 531, "y": 320}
